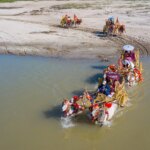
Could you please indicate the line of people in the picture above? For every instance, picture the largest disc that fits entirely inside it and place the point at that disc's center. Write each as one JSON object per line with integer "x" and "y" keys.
{"x": 113, "y": 27}
{"x": 111, "y": 92}
{"x": 67, "y": 21}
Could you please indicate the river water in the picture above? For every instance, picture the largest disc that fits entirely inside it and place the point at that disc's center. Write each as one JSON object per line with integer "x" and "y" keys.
{"x": 31, "y": 92}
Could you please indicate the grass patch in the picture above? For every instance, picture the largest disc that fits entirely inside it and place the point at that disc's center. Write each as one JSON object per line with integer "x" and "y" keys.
{"x": 5, "y": 1}
{"x": 72, "y": 5}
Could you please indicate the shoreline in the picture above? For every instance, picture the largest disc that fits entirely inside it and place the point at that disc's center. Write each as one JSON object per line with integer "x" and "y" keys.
{"x": 32, "y": 28}
{"x": 102, "y": 58}
{"x": 144, "y": 50}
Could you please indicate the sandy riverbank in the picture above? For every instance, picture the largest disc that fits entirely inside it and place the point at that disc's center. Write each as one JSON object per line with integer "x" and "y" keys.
{"x": 31, "y": 27}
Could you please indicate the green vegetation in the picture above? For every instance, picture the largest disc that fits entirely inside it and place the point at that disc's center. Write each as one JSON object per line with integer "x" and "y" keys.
{"x": 3, "y": 1}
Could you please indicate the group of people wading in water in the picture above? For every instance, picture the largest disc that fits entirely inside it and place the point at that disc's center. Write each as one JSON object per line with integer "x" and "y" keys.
{"x": 111, "y": 93}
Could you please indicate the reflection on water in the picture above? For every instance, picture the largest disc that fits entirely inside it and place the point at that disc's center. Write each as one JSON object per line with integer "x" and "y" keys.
{"x": 31, "y": 93}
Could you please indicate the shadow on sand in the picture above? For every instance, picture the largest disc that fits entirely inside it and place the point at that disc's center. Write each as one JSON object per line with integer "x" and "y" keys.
{"x": 100, "y": 34}
{"x": 104, "y": 34}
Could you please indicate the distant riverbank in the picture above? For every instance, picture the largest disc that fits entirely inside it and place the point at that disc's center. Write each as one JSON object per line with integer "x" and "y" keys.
{"x": 5, "y": 1}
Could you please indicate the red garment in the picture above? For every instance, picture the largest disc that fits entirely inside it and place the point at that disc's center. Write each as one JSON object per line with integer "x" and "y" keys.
{"x": 76, "y": 106}
{"x": 108, "y": 105}
{"x": 76, "y": 98}
{"x": 106, "y": 112}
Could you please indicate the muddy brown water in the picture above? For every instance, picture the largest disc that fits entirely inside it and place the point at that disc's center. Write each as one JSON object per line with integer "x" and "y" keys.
{"x": 31, "y": 92}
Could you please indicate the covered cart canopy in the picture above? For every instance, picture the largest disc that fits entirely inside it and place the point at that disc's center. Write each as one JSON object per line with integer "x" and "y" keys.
{"x": 128, "y": 48}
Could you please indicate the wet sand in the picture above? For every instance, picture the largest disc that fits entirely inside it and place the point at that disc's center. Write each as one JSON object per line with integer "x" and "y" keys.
{"x": 33, "y": 28}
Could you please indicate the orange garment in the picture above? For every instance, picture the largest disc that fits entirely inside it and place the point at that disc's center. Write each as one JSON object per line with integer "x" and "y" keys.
{"x": 95, "y": 106}
{"x": 136, "y": 71}
{"x": 120, "y": 63}
{"x": 88, "y": 96}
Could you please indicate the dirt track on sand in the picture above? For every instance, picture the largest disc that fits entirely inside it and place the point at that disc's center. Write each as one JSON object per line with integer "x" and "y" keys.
{"x": 32, "y": 28}
{"x": 119, "y": 40}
